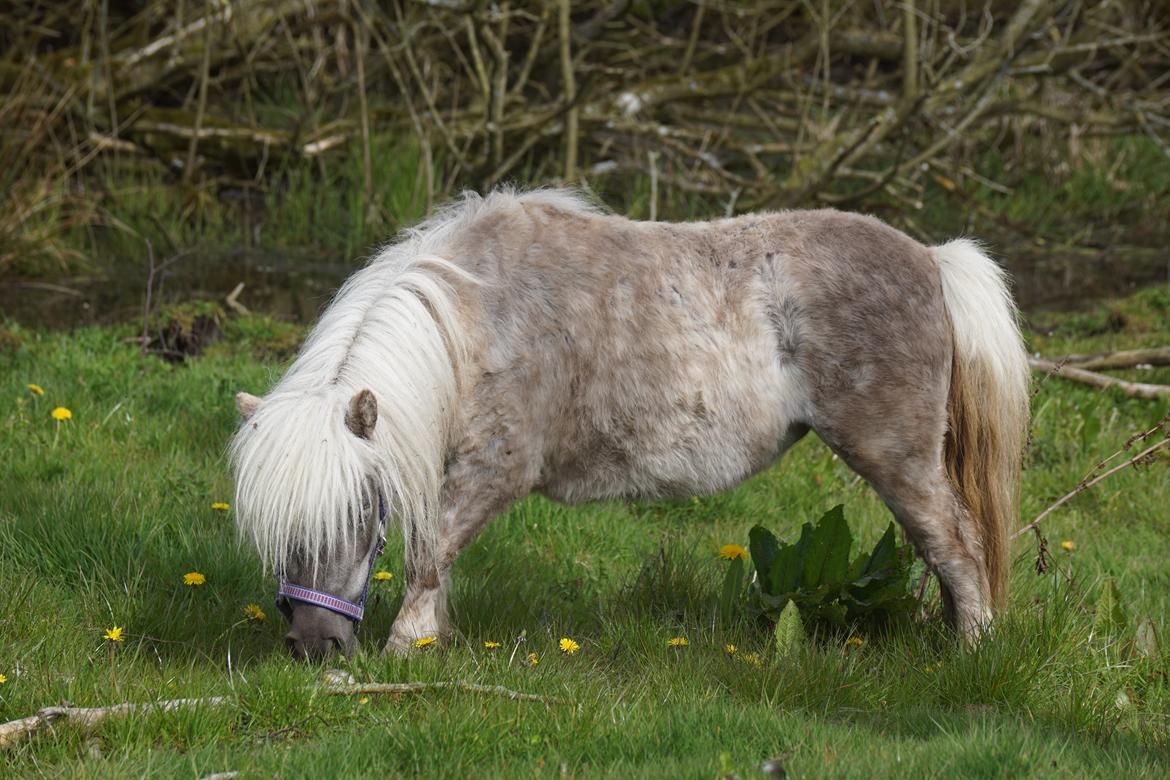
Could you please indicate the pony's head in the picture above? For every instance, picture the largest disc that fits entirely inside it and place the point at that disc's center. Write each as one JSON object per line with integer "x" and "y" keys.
{"x": 311, "y": 495}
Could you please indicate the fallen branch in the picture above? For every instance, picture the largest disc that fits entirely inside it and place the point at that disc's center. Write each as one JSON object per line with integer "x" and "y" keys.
{"x": 1073, "y": 374}
{"x": 89, "y": 718}
{"x": 399, "y": 688}
{"x": 1130, "y": 358}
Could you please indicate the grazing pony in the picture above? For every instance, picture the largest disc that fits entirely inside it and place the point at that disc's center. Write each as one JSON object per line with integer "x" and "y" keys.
{"x": 531, "y": 342}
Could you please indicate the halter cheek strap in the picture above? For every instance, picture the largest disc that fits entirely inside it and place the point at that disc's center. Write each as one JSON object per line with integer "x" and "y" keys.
{"x": 354, "y": 610}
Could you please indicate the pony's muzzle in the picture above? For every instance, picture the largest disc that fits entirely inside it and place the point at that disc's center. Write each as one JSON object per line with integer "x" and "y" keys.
{"x": 318, "y": 634}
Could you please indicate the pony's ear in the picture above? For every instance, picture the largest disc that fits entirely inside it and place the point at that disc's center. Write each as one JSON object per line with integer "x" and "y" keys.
{"x": 247, "y": 404}
{"x": 362, "y": 414}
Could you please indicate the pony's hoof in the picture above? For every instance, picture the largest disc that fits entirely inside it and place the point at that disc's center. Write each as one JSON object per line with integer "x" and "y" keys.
{"x": 396, "y": 646}
{"x": 404, "y": 645}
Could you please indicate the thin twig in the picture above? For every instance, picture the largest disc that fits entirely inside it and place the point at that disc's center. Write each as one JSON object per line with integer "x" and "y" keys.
{"x": 570, "y": 98}
{"x": 201, "y": 106}
{"x": 419, "y": 687}
{"x": 88, "y": 718}
{"x": 1081, "y": 488}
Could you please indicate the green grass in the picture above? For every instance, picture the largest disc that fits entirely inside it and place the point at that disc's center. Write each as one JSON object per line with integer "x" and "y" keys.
{"x": 101, "y": 516}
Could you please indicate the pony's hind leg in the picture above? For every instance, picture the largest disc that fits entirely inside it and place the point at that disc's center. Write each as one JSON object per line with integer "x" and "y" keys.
{"x": 946, "y": 537}
{"x": 892, "y": 433}
{"x": 914, "y": 485}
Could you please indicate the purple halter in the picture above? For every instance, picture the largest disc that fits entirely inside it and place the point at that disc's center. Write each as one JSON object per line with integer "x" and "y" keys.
{"x": 350, "y": 609}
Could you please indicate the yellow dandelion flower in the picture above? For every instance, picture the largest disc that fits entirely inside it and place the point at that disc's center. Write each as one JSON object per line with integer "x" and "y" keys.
{"x": 424, "y": 641}
{"x": 753, "y": 659}
{"x": 253, "y": 612}
{"x": 193, "y": 579}
{"x": 3, "y": 679}
{"x": 854, "y": 641}
{"x": 383, "y": 576}
{"x": 221, "y": 506}
{"x": 730, "y": 649}
{"x": 533, "y": 659}
{"x": 61, "y": 414}
{"x": 730, "y": 552}
{"x": 490, "y": 645}
{"x": 568, "y": 646}
{"x": 36, "y": 389}
{"x": 1068, "y": 545}
{"x": 677, "y": 641}
{"x": 364, "y": 700}
{"x": 113, "y": 634}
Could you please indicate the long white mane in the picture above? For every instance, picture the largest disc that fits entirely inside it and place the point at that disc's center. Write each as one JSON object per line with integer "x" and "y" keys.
{"x": 301, "y": 474}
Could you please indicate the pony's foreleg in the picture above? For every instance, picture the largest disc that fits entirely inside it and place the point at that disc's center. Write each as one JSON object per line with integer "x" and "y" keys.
{"x": 423, "y": 613}
{"x": 469, "y": 503}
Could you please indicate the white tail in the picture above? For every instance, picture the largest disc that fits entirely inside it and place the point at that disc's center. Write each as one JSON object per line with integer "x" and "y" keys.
{"x": 988, "y": 403}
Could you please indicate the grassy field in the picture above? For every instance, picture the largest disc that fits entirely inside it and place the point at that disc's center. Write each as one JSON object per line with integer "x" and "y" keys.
{"x": 102, "y": 515}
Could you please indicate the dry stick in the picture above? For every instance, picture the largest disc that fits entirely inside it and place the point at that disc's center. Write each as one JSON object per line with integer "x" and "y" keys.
{"x": 519, "y": 152}
{"x": 201, "y": 107}
{"x": 694, "y": 39}
{"x": 494, "y": 690}
{"x": 1129, "y": 358}
{"x": 530, "y": 57}
{"x": 104, "y": 32}
{"x": 233, "y": 300}
{"x": 147, "y": 308}
{"x": 149, "y": 290}
{"x": 428, "y": 96}
{"x": 400, "y": 82}
{"x": 485, "y": 87}
{"x": 87, "y": 718}
{"x": 1131, "y": 389}
{"x": 653, "y": 158}
{"x": 1081, "y": 488}
{"x": 909, "y": 51}
{"x": 570, "y": 86}
{"x": 498, "y": 94}
{"x": 360, "y": 45}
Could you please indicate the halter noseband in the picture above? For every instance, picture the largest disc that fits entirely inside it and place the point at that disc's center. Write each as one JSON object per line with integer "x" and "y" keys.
{"x": 350, "y": 609}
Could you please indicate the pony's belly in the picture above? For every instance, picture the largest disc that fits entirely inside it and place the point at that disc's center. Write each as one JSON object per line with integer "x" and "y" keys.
{"x": 673, "y": 451}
